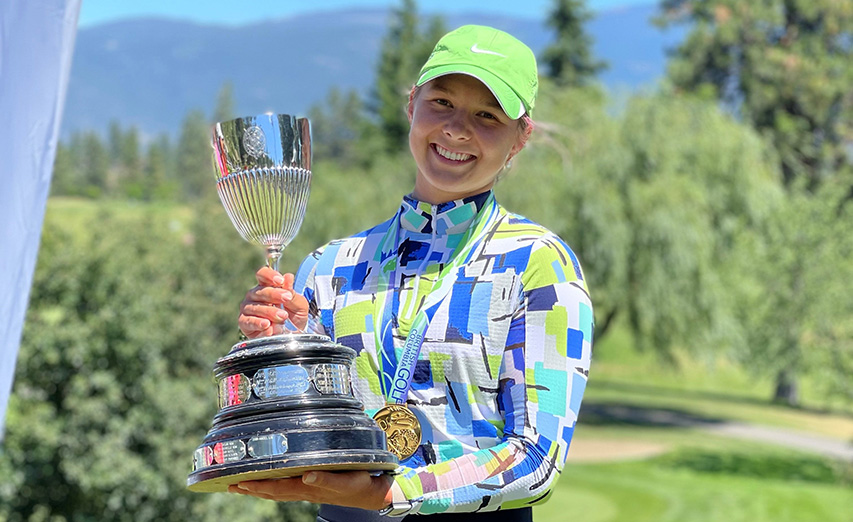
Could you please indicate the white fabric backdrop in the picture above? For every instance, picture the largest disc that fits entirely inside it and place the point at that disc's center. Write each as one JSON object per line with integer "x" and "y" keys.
{"x": 36, "y": 46}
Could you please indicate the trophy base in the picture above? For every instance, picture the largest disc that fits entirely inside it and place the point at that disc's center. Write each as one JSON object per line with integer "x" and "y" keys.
{"x": 214, "y": 480}
{"x": 287, "y": 407}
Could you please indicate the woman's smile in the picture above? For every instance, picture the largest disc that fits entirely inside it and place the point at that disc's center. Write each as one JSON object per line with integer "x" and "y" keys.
{"x": 455, "y": 157}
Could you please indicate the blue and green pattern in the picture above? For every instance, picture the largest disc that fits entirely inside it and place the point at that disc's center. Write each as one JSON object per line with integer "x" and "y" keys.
{"x": 501, "y": 374}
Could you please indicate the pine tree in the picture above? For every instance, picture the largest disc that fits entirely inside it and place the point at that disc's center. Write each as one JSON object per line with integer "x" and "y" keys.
{"x": 569, "y": 59}
{"x": 404, "y": 49}
{"x": 194, "y": 165}
{"x": 224, "y": 110}
{"x": 95, "y": 163}
{"x": 785, "y": 66}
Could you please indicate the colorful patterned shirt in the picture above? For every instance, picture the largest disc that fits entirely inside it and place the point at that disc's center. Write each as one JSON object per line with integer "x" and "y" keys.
{"x": 501, "y": 373}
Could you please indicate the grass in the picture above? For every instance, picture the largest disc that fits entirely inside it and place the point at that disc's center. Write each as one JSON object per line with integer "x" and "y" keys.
{"x": 649, "y": 491}
{"x": 77, "y": 215}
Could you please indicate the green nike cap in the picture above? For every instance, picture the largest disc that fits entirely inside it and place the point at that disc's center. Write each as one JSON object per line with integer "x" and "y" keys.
{"x": 502, "y": 62}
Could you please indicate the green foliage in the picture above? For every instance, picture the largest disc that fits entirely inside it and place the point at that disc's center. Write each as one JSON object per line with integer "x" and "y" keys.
{"x": 194, "y": 165}
{"x": 82, "y": 167}
{"x": 113, "y": 389}
{"x": 797, "y": 307}
{"x": 569, "y": 58}
{"x": 67, "y": 178}
{"x": 342, "y": 132}
{"x": 224, "y": 109}
{"x": 404, "y": 50}
{"x": 124, "y": 167}
{"x": 650, "y": 201}
{"x": 785, "y": 66}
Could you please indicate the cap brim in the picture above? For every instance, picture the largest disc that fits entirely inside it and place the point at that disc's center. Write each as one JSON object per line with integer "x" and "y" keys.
{"x": 509, "y": 101}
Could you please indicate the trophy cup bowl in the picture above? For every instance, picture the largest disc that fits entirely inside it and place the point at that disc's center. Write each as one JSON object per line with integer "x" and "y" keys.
{"x": 286, "y": 404}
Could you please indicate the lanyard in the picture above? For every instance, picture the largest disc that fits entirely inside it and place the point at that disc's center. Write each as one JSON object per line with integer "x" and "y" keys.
{"x": 396, "y": 389}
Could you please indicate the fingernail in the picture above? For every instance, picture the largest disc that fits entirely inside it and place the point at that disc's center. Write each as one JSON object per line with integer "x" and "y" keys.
{"x": 309, "y": 478}
{"x": 278, "y": 280}
{"x": 265, "y": 324}
{"x": 281, "y": 314}
{"x": 286, "y": 296}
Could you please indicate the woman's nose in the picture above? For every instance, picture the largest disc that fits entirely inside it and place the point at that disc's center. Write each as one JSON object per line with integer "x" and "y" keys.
{"x": 457, "y": 126}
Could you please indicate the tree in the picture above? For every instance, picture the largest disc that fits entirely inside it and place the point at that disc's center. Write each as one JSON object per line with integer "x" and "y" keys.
{"x": 785, "y": 66}
{"x": 797, "y": 306}
{"x": 130, "y": 168}
{"x": 193, "y": 158}
{"x": 404, "y": 49}
{"x": 569, "y": 59}
{"x": 341, "y": 132}
{"x": 113, "y": 388}
{"x": 159, "y": 182}
{"x": 224, "y": 109}
{"x": 66, "y": 179}
{"x": 94, "y": 163}
{"x": 650, "y": 202}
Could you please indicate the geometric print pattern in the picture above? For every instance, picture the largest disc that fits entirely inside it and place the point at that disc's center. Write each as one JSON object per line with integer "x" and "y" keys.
{"x": 502, "y": 370}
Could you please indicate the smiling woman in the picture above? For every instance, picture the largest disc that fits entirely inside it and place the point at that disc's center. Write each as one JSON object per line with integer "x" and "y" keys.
{"x": 472, "y": 325}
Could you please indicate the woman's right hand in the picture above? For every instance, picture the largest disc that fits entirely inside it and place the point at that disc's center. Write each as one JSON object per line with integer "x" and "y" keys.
{"x": 272, "y": 302}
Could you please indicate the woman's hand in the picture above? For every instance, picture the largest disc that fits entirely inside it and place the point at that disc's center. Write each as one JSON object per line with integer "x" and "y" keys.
{"x": 267, "y": 306}
{"x": 349, "y": 488}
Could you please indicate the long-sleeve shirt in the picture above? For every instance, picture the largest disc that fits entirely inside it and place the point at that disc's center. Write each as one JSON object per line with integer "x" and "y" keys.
{"x": 501, "y": 373}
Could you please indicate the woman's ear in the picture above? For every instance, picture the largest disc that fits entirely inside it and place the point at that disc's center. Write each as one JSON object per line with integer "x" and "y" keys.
{"x": 410, "y": 109}
{"x": 525, "y": 129}
{"x": 519, "y": 144}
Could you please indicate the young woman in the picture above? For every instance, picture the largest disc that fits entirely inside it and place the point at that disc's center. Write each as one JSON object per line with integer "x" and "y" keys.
{"x": 473, "y": 325}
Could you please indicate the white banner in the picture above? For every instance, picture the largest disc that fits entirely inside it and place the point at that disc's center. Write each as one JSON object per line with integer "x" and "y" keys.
{"x": 36, "y": 46}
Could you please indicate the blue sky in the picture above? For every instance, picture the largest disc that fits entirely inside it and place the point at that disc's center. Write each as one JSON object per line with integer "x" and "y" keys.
{"x": 232, "y": 12}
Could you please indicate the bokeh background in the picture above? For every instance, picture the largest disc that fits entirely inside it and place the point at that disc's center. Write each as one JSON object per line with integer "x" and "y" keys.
{"x": 696, "y": 154}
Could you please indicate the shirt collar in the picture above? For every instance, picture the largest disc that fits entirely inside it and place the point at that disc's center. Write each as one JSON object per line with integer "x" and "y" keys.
{"x": 452, "y": 217}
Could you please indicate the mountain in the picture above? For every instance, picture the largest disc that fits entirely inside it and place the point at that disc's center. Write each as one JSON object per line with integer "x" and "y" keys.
{"x": 151, "y": 72}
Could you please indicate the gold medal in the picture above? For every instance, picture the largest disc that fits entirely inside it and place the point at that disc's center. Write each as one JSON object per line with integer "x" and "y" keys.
{"x": 402, "y": 429}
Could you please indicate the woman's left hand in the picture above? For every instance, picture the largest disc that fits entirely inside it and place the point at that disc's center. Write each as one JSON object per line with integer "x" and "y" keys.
{"x": 350, "y": 488}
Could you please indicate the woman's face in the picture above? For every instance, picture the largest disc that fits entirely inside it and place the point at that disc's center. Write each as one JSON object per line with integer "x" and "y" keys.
{"x": 460, "y": 138}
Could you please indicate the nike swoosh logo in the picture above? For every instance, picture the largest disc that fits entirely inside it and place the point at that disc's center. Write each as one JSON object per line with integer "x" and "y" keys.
{"x": 475, "y": 49}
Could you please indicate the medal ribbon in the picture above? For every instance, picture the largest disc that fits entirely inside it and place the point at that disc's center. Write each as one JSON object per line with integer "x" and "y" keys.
{"x": 396, "y": 389}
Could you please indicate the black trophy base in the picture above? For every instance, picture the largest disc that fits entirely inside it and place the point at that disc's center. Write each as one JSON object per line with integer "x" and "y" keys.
{"x": 286, "y": 408}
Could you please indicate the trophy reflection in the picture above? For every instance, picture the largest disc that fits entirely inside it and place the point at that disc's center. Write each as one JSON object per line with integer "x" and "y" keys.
{"x": 286, "y": 404}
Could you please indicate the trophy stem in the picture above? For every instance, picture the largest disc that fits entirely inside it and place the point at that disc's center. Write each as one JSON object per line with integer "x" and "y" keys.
{"x": 274, "y": 256}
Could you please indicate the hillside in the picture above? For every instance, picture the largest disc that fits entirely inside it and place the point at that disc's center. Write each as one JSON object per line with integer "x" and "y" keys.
{"x": 150, "y": 72}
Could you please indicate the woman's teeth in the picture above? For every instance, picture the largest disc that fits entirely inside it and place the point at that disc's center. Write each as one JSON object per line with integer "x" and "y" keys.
{"x": 455, "y": 156}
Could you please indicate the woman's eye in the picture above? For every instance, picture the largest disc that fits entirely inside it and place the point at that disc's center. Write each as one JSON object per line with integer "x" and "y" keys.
{"x": 488, "y": 115}
{"x": 442, "y": 101}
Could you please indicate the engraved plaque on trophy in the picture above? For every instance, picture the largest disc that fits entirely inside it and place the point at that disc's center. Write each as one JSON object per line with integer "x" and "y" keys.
{"x": 286, "y": 404}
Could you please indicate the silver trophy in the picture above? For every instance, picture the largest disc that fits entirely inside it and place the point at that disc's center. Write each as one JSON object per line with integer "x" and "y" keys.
{"x": 286, "y": 404}
{"x": 263, "y": 166}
